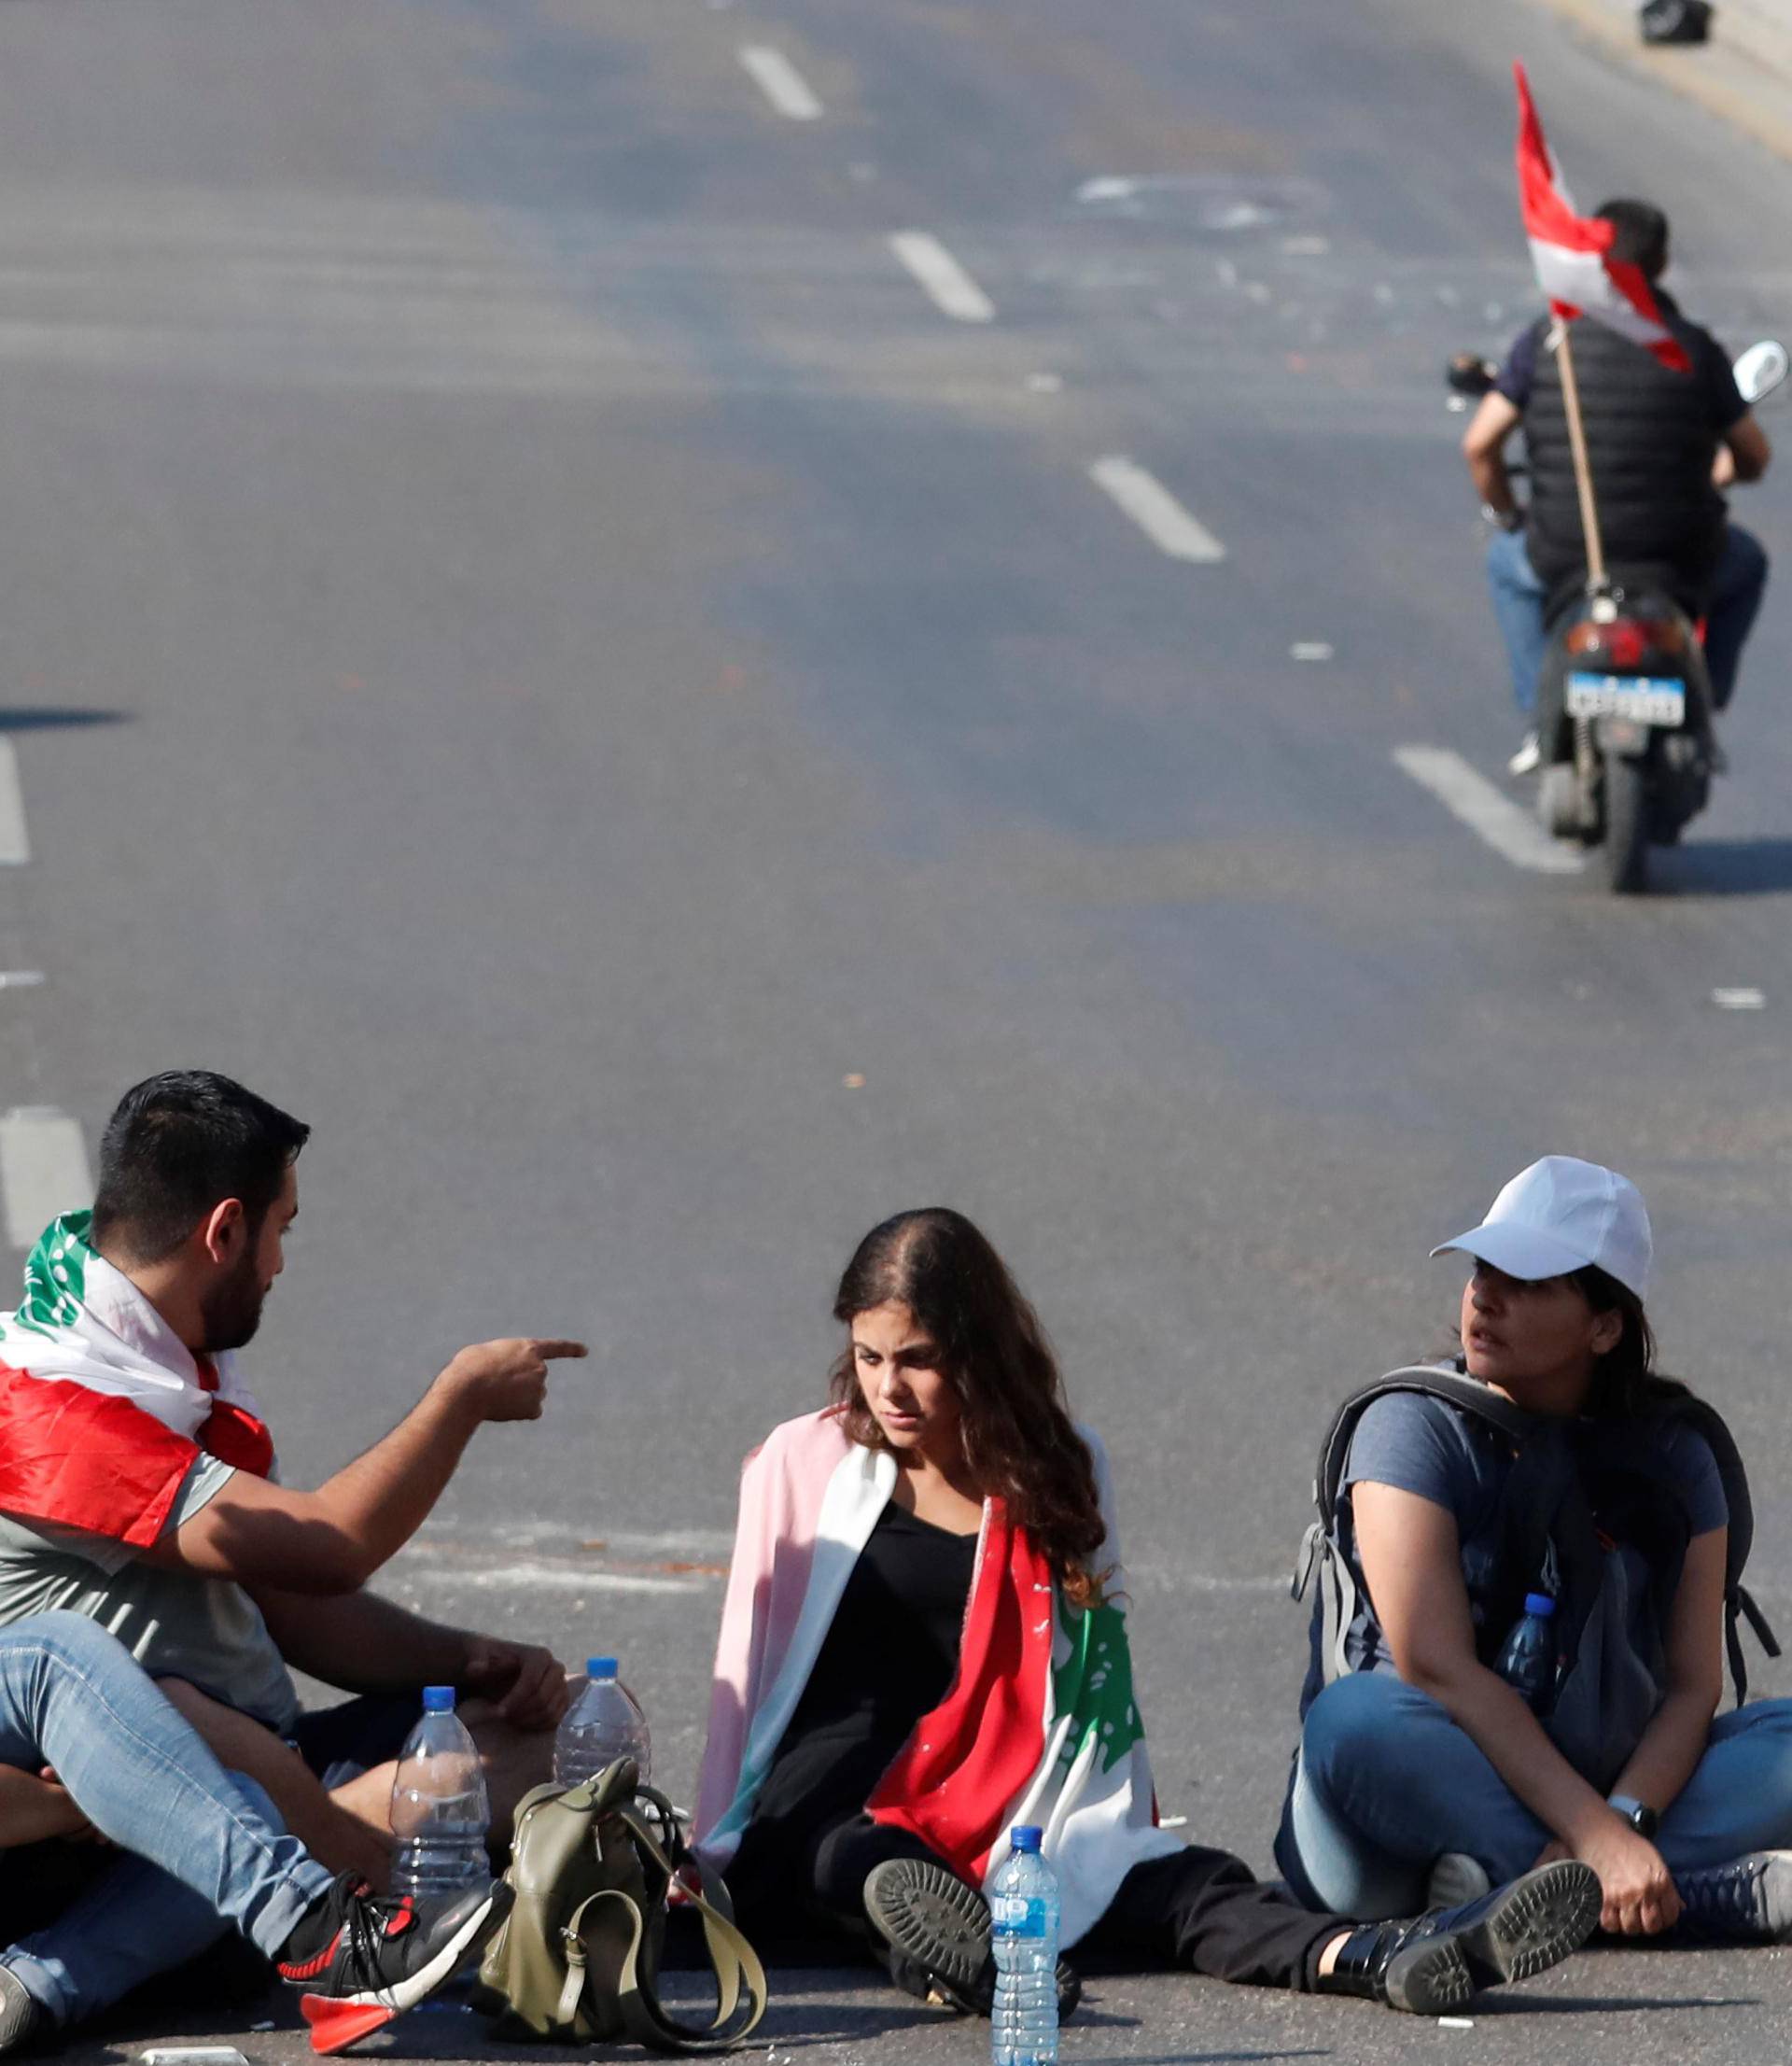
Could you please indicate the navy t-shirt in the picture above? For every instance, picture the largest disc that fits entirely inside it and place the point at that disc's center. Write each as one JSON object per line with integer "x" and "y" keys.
{"x": 1461, "y": 1463}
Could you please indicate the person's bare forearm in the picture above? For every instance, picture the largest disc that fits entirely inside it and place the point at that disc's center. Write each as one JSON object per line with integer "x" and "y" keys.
{"x": 1503, "y": 1728}
{"x": 361, "y": 1643}
{"x": 1492, "y": 482}
{"x": 1670, "y": 1751}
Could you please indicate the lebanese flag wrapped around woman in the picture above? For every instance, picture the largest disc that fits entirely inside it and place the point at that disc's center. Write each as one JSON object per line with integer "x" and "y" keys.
{"x": 924, "y": 1646}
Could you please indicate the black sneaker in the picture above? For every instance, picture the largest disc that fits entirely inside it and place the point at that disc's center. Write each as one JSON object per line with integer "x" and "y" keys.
{"x": 1749, "y": 1901}
{"x": 1435, "y": 1963}
{"x": 932, "y": 1920}
{"x": 21, "y": 2019}
{"x": 364, "y": 1957}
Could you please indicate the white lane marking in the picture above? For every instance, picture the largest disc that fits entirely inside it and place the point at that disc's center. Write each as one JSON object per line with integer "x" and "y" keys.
{"x": 1512, "y": 832}
{"x": 950, "y": 286}
{"x": 1155, "y": 510}
{"x": 15, "y": 849}
{"x": 559, "y": 1577}
{"x": 1311, "y": 649}
{"x": 43, "y": 1169}
{"x": 21, "y": 979}
{"x": 1740, "y": 999}
{"x": 781, "y": 82}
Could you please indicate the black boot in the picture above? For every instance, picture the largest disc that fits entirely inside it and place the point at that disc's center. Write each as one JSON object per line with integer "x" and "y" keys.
{"x": 1433, "y": 1963}
{"x": 938, "y": 1929}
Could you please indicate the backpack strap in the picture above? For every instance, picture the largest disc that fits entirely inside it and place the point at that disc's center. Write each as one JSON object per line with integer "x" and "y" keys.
{"x": 1740, "y": 1604}
{"x": 1453, "y": 1388}
{"x": 1320, "y": 1555}
{"x": 741, "y": 1979}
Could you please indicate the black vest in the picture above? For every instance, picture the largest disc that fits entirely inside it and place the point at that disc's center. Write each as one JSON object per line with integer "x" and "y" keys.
{"x": 1650, "y": 446}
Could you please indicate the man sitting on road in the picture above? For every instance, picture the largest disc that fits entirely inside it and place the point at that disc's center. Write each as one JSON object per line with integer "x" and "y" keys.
{"x": 137, "y": 1482}
{"x": 1661, "y": 444}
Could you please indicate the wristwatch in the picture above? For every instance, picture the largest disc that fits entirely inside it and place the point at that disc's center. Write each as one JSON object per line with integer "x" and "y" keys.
{"x": 1638, "y": 1814}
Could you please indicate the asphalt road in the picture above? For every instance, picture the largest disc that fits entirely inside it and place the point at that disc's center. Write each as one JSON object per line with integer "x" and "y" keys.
{"x": 533, "y": 639}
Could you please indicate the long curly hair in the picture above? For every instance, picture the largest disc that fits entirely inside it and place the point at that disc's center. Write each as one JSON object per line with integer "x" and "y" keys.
{"x": 1018, "y": 1440}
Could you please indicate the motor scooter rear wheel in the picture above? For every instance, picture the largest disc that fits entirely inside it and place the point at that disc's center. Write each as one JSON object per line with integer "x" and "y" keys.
{"x": 1626, "y": 826}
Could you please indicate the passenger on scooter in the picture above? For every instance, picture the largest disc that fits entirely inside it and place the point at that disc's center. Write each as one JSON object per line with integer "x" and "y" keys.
{"x": 1660, "y": 445}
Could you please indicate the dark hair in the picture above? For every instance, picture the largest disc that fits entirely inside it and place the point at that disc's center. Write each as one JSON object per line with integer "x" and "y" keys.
{"x": 1642, "y": 237}
{"x": 1017, "y": 1433}
{"x": 176, "y": 1145}
{"x": 1625, "y": 1380}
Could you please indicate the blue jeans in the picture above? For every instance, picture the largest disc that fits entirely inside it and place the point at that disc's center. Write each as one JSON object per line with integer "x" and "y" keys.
{"x": 72, "y": 1697}
{"x": 1386, "y": 1781}
{"x": 1518, "y": 596}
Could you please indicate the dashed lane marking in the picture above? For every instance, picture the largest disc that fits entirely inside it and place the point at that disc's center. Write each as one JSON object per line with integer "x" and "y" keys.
{"x": 1469, "y": 797}
{"x": 781, "y": 82}
{"x": 950, "y": 287}
{"x": 1155, "y": 510}
{"x": 15, "y": 849}
{"x": 43, "y": 1169}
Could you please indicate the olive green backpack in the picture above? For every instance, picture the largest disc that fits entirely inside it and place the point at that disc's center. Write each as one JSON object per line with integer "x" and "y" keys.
{"x": 576, "y": 1962}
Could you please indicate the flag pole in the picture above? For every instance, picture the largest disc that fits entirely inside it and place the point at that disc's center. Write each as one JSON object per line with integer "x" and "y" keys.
{"x": 1583, "y": 472}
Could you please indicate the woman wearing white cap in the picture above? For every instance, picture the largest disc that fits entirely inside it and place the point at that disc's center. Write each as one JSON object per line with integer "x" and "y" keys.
{"x": 1550, "y": 1467}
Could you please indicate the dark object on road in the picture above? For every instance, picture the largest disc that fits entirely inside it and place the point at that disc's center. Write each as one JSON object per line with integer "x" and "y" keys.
{"x": 1676, "y": 21}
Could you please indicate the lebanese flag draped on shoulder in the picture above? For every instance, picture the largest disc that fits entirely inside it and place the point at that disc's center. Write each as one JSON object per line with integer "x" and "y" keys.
{"x": 1573, "y": 253}
{"x": 103, "y": 1410}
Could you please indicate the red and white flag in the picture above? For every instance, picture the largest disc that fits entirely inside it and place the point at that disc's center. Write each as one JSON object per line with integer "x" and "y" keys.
{"x": 1573, "y": 253}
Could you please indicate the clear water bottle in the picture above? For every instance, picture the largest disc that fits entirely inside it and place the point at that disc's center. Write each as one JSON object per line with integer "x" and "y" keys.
{"x": 1023, "y": 1925}
{"x": 1527, "y": 1659}
{"x": 603, "y": 1725}
{"x": 439, "y": 1808}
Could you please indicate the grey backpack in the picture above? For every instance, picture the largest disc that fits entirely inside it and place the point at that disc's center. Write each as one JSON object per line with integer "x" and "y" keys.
{"x": 1562, "y": 1521}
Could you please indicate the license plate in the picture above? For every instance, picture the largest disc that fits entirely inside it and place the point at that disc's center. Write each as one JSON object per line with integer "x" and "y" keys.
{"x": 1644, "y": 698}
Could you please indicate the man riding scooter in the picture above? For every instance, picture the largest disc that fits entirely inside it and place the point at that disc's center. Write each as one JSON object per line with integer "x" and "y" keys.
{"x": 1661, "y": 444}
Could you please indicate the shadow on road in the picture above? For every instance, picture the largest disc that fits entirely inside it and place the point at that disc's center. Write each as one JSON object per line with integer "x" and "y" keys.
{"x": 1608, "y": 2005}
{"x": 30, "y": 718}
{"x": 1200, "y": 2058}
{"x": 1724, "y": 867}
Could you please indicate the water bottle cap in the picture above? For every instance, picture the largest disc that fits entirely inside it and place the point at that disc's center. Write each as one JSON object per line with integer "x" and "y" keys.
{"x": 438, "y": 1700}
{"x": 600, "y": 1667}
{"x": 1539, "y": 1604}
{"x": 1025, "y": 1836}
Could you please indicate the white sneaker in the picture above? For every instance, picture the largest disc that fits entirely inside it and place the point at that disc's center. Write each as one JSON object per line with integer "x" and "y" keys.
{"x": 1528, "y": 758}
{"x": 1456, "y": 1878}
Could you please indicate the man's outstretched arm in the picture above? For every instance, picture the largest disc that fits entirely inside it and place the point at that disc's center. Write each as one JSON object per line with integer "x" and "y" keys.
{"x": 332, "y": 1540}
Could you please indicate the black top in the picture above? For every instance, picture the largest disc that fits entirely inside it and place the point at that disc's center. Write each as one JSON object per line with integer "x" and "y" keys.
{"x": 888, "y": 1659}
{"x": 1651, "y": 436}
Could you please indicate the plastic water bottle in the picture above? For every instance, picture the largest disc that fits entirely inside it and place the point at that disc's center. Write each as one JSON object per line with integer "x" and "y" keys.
{"x": 439, "y": 1808}
{"x": 603, "y": 1725}
{"x": 1023, "y": 1926}
{"x": 1527, "y": 1658}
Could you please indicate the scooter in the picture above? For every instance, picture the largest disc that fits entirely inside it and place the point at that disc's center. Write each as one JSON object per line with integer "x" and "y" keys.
{"x": 1624, "y": 703}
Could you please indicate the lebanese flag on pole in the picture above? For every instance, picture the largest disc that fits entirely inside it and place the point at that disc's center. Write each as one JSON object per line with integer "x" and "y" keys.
{"x": 1572, "y": 252}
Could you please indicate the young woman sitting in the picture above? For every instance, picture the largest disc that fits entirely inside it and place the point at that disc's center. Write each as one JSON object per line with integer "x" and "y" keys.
{"x": 924, "y": 1643}
{"x": 1422, "y": 1772}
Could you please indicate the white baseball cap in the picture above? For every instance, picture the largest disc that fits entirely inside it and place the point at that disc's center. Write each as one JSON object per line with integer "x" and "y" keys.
{"x": 1561, "y": 1215}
